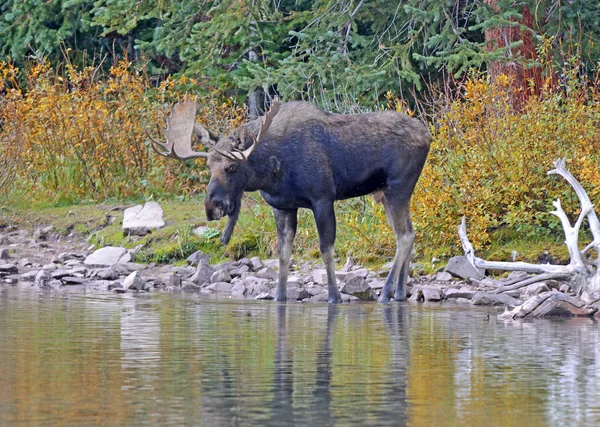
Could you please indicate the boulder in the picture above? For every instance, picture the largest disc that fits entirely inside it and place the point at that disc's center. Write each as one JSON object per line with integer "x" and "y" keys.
{"x": 4, "y": 254}
{"x": 431, "y": 294}
{"x": 105, "y": 257}
{"x": 29, "y": 276}
{"x": 264, "y": 296}
{"x": 203, "y": 273}
{"x": 224, "y": 287}
{"x": 443, "y": 276}
{"x": 42, "y": 233}
{"x": 221, "y": 275}
{"x": 256, "y": 263}
{"x": 238, "y": 290}
{"x": 267, "y": 273}
{"x": 42, "y": 278}
{"x": 484, "y": 298}
{"x": 460, "y": 267}
{"x": 358, "y": 287}
{"x": 319, "y": 276}
{"x": 6, "y": 269}
{"x": 463, "y": 292}
{"x": 196, "y": 257}
{"x": 140, "y": 220}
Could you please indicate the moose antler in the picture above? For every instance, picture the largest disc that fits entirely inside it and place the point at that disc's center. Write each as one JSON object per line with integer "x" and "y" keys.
{"x": 180, "y": 127}
{"x": 240, "y": 156}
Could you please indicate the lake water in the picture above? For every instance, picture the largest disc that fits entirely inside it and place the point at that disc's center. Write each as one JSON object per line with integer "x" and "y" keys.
{"x": 170, "y": 359}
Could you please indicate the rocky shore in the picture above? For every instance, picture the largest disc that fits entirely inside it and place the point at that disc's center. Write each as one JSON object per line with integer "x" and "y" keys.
{"x": 46, "y": 260}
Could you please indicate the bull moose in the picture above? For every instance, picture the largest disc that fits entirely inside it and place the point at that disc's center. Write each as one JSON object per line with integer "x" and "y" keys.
{"x": 299, "y": 156}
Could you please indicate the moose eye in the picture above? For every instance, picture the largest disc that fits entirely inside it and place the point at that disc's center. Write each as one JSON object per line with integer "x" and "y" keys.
{"x": 231, "y": 168}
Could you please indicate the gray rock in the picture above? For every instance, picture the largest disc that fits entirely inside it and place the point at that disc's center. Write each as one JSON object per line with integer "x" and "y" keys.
{"x": 443, "y": 276}
{"x": 341, "y": 275}
{"x": 203, "y": 273}
{"x": 350, "y": 262}
{"x": 140, "y": 219}
{"x": 463, "y": 301}
{"x": 256, "y": 264}
{"x": 4, "y": 253}
{"x": 73, "y": 280}
{"x": 264, "y": 296}
{"x": 185, "y": 272}
{"x": 62, "y": 272}
{"x": 416, "y": 294}
{"x": 8, "y": 269}
{"x": 196, "y": 257}
{"x": 483, "y": 298}
{"x": 357, "y": 271}
{"x": 42, "y": 233}
{"x": 175, "y": 280}
{"x": 68, "y": 256}
{"x": 319, "y": 276}
{"x": 29, "y": 276}
{"x": 106, "y": 274}
{"x": 376, "y": 284}
{"x": 460, "y": 266}
{"x": 256, "y": 285}
{"x": 238, "y": 290}
{"x": 42, "y": 278}
{"x": 358, "y": 287}
{"x": 105, "y": 257}
{"x": 114, "y": 285}
{"x": 225, "y": 287}
{"x": 431, "y": 294}
{"x": 190, "y": 287}
{"x": 133, "y": 281}
{"x": 463, "y": 292}
{"x": 221, "y": 275}
{"x": 267, "y": 273}
{"x": 238, "y": 271}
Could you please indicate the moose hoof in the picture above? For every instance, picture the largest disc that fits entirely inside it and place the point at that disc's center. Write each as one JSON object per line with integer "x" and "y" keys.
{"x": 383, "y": 299}
{"x": 400, "y": 297}
{"x": 280, "y": 297}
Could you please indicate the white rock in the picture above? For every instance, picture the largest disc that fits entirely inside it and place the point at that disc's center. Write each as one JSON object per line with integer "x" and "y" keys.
{"x": 142, "y": 219}
{"x": 105, "y": 257}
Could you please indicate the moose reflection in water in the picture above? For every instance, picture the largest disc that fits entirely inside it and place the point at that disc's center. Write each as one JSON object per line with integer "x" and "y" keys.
{"x": 299, "y": 156}
{"x": 184, "y": 359}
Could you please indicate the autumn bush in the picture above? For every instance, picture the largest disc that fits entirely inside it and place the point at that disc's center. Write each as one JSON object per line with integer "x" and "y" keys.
{"x": 74, "y": 135}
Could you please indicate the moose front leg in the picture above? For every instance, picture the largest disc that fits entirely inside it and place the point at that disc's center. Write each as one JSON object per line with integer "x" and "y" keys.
{"x": 325, "y": 219}
{"x": 287, "y": 222}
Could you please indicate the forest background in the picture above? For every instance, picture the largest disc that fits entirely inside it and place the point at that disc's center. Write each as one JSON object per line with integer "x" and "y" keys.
{"x": 506, "y": 87}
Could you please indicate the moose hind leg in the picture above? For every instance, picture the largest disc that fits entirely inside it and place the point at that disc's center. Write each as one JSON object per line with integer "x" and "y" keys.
{"x": 286, "y": 222}
{"x": 325, "y": 219}
{"x": 399, "y": 217}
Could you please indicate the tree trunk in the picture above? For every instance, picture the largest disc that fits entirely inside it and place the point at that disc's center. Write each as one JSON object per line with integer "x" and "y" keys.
{"x": 525, "y": 80}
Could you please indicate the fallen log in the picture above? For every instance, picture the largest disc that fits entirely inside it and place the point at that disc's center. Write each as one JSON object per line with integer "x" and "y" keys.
{"x": 582, "y": 273}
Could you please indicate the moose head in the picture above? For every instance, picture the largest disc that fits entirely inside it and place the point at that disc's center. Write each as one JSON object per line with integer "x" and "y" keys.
{"x": 227, "y": 157}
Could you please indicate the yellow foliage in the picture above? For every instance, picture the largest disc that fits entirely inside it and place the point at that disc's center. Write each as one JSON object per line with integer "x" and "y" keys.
{"x": 81, "y": 135}
{"x": 489, "y": 162}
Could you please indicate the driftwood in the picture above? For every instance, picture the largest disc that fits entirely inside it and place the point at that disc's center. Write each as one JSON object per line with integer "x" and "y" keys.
{"x": 582, "y": 273}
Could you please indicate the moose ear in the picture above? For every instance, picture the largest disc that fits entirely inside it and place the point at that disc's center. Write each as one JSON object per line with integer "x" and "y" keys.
{"x": 205, "y": 136}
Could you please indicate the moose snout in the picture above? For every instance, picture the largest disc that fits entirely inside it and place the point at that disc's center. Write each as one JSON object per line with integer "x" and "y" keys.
{"x": 215, "y": 208}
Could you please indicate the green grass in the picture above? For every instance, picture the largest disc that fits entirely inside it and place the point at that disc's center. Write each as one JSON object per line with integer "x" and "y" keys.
{"x": 361, "y": 232}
